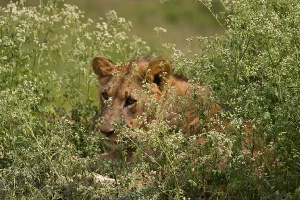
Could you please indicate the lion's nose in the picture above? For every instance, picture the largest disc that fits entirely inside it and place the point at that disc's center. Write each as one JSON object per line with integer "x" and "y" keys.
{"x": 107, "y": 133}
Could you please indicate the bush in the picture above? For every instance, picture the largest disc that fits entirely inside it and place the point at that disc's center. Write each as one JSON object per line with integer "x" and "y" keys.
{"x": 49, "y": 140}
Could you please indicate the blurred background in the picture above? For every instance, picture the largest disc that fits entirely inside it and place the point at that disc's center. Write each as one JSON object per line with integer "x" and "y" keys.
{"x": 182, "y": 18}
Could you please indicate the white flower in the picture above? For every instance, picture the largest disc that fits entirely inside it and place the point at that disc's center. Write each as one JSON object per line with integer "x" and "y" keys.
{"x": 159, "y": 30}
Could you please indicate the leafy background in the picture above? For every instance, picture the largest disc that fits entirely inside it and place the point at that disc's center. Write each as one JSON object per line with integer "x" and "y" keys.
{"x": 50, "y": 146}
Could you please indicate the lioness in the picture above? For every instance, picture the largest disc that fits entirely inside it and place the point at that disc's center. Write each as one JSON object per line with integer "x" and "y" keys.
{"x": 126, "y": 89}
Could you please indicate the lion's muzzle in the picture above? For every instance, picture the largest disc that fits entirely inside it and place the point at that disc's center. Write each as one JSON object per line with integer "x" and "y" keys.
{"x": 107, "y": 133}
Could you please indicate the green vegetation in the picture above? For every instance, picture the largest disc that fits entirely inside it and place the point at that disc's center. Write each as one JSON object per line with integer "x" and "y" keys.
{"x": 182, "y": 19}
{"x": 50, "y": 145}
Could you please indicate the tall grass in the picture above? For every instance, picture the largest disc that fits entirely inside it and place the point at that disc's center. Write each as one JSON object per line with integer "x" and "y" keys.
{"x": 50, "y": 144}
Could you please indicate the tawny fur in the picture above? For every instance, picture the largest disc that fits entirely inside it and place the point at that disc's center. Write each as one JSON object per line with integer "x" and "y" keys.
{"x": 127, "y": 81}
{"x": 125, "y": 89}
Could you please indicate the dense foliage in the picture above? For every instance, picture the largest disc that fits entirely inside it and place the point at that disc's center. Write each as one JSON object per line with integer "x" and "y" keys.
{"x": 50, "y": 145}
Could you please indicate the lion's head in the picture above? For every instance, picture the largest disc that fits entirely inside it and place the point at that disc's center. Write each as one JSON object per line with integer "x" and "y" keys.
{"x": 122, "y": 91}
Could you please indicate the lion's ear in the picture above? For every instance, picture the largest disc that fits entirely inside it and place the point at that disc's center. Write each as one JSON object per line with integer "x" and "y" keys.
{"x": 103, "y": 67}
{"x": 160, "y": 71}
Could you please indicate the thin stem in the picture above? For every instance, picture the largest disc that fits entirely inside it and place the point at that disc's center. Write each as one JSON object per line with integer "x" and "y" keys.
{"x": 214, "y": 15}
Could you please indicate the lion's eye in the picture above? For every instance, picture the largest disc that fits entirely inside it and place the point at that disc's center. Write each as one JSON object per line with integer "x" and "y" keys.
{"x": 129, "y": 101}
{"x": 104, "y": 95}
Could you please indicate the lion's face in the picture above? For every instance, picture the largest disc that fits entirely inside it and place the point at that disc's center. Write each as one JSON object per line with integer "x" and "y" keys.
{"x": 120, "y": 104}
{"x": 123, "y": 92}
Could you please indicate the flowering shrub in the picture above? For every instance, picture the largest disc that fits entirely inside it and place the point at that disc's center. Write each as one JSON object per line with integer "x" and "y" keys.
{"x": 50, "y": 146}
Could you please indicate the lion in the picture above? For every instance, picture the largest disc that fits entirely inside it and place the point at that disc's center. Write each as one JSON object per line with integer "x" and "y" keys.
{"x": 126, "y": 89}
{"x": 127, "y": 94}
